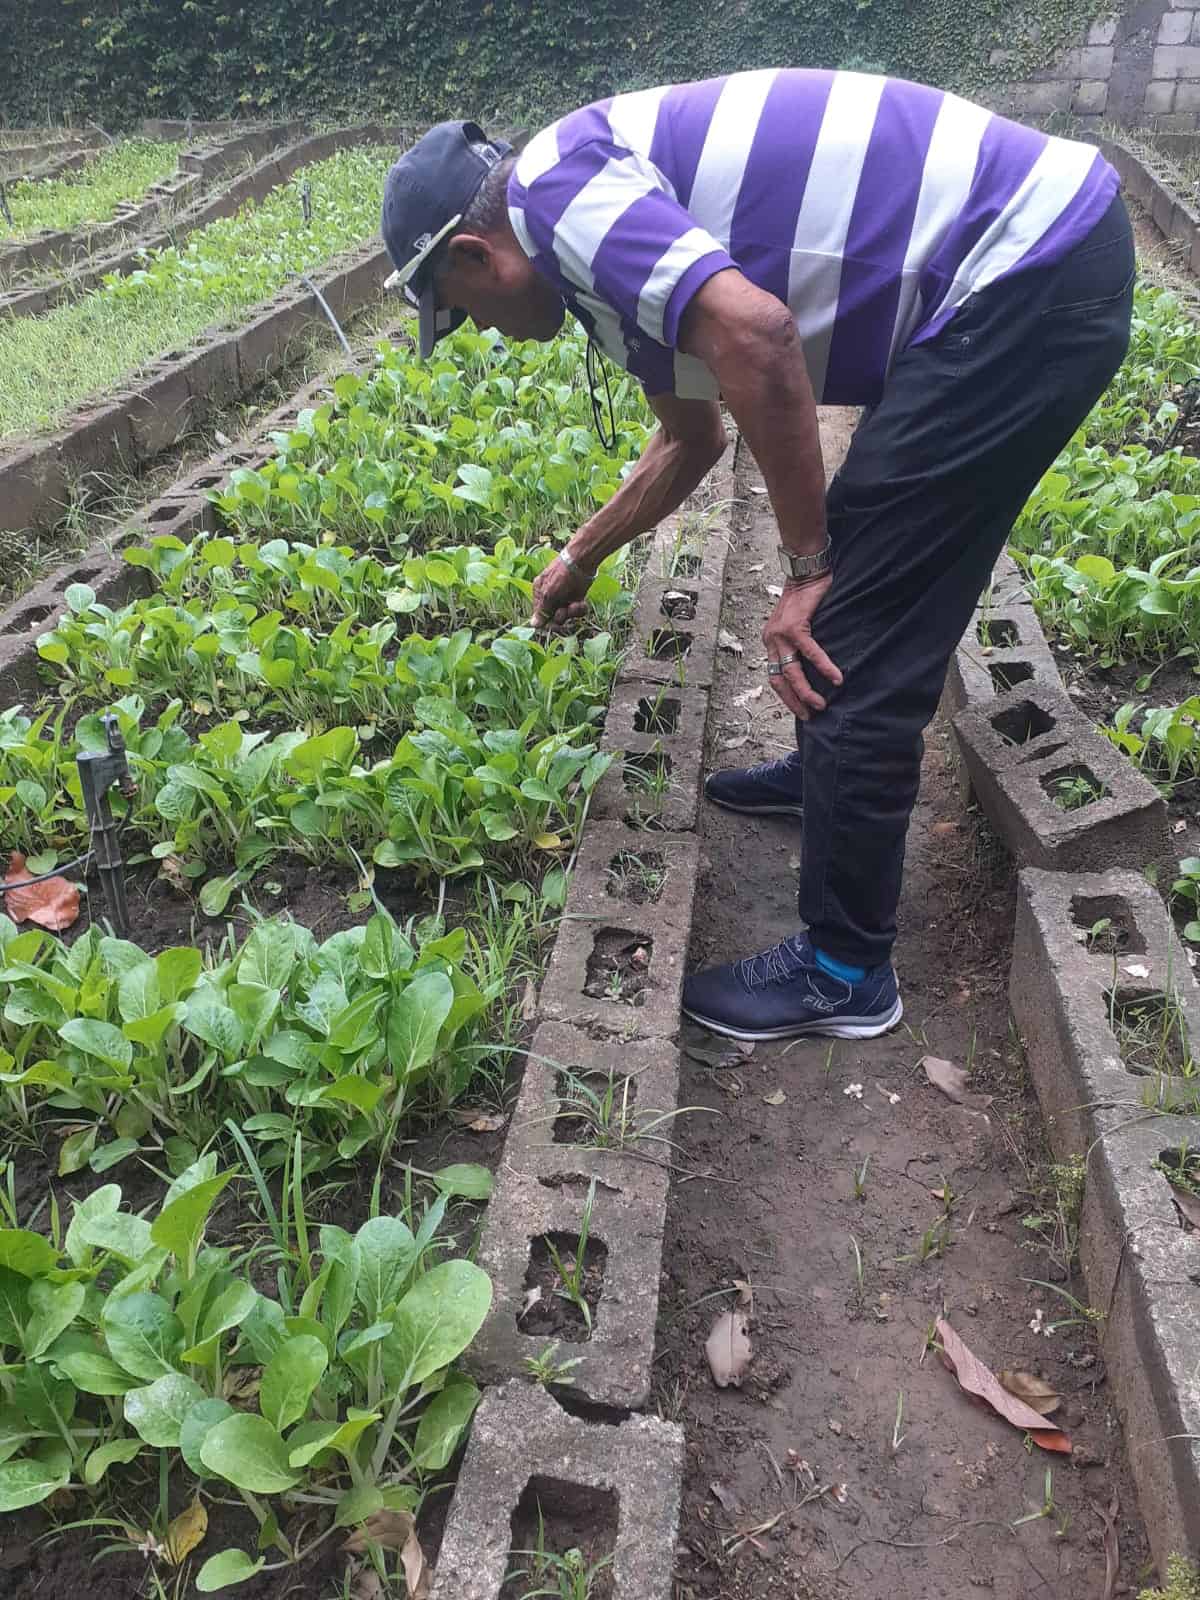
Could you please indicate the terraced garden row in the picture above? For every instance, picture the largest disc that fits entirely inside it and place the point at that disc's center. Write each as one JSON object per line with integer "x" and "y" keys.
{"x": 1109, "y": 544}
{"x": 235, "y": 1276}
{"x": 52, "y": 362}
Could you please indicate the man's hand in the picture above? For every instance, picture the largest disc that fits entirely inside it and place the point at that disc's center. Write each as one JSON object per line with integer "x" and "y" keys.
{"x": 559, "y": 595}
{"x": 788, "y": 632}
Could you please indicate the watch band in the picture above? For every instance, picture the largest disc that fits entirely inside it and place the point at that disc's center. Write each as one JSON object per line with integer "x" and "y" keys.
{"x": 813, "y": 566}
{"x": 571, "y": 564}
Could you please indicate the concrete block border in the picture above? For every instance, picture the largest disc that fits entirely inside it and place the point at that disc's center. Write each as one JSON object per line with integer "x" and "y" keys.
{"x": 521, "y": 1439}
{"x": 41, "y": 152}
{"x": 1071, "y": 1002}
{"x": 631, "y": 898}
{"x": 1175, "y": 218}
{"x": 1019, "y": 737}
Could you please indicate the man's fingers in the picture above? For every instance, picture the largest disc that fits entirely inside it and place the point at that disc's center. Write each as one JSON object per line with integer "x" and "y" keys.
{"x": 812, "y": 651}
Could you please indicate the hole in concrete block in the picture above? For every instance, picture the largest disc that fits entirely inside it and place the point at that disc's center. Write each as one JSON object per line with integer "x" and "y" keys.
{"x": 166, "y": 513}
{"x": 1149, "y": 1029}
{"x": 577, "y": 1183}
{"x": 28, "y": 619}
{"x": 619, "y": 966}
{"x": 657, "y": 715}
{"x": 565, "y": 1284}
{"x": 1023, "y": 722}
{"x": 679, "y": 605}
{"x": 208, "y": 481}
{"x": 1074, "y": 787}
{"x": 668, "y": 644}
{"x": 1009, "y": 675}
{"x": 86, "y": 574}
{"x": 594, "y": 1108}
{"x": 555, "y": 1519}
{"x": 1180, "y": 1167}
{"x": 1106, "y": 924}
{"x": 639, "y": 876}
{"x": 997, "y": 633}
{"x": 647, "y": 773}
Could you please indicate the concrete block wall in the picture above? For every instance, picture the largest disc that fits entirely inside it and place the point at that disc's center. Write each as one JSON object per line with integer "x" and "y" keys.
{"x": 1137, "y": 65}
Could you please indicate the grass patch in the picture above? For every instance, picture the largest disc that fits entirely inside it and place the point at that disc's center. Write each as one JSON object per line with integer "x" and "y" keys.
{"x": 51, "y": 363}
{"x": 122, "y": 172}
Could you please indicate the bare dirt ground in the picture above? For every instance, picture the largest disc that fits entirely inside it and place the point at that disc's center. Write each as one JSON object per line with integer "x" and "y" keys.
{"x": 849, "y": 1463}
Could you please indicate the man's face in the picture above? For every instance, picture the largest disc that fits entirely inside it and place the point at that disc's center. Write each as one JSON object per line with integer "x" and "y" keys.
{"x": 493, "y": 281}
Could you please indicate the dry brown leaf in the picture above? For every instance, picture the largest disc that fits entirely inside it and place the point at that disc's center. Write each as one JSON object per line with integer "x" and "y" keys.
{"x": 418, "y": 1574}
{"x": 943, "y": 829}
{"x": 979, "y": 1380}
{"x": 952, "y": 1081}
{"x": 1035, "y": 1391}
{"x": 476, "y": 1121}
{"x": 776, "y": 1098}
{"x": 728, "y": 1348}
{"x": 1189, "y": 1205}
{"x": 532, "y": 1296}
{"x": 53, "y": 904}
{"x": 390, "y": 1530}
{"x": 185, "y": 1532}
{"x": 1112, "y": 1548}
{"x": 366, "y": 1584}
{"x": 729, "y": 641}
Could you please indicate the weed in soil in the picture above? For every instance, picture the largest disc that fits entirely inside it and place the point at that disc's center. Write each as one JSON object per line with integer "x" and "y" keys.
{"x": 562, "y": 1541}
{"x": 639, "y": 877}
{"x": 657, "y": 715}
{"x": 1149, "y": 1030}
{"x": 1106, "y": 925}
{"x": 1074, "y": 787}
{"x": 567, "y": 1272}
{"x": 619, "y": 966}
{"x": 595, "y": 1108}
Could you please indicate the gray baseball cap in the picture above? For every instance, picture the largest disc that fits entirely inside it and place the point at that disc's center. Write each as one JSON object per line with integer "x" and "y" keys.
{"x": 426, "y": 194}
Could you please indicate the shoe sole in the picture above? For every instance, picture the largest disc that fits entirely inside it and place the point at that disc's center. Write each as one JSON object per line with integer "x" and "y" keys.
{"x": 756, "y": 811}
{"x": 844, "y": 1028}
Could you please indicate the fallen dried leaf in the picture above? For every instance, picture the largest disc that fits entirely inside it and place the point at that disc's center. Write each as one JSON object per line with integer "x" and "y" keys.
{"x": 745, "y": 1294}
{"x": 750, "y": 694}
{"x": 952, "y": 1081}
{"x": 185, "y": 1532}
{"x": 1112, "y": 1548}
{"x": 532, "y": 1296}
{"x": 735, "y": 744}
{"x": 1035, "y": 1391}
{"x": 1137, "y": 969}
{"x": 388, "y": 1529}
{"x": 723, "y": 1498}
{"x": 728, "y": 1348}
{"x": 942, "y": 829}
{"x": 476, "y": 1121}
{"x": 52, "y": 904}
{"x": 1189, "y": 1205}
{"x": 418, "y": 1574}
{"x": 720, "y": 1058}
{"x": 979, "y": 1380}
{"x": 366, "y": 1584}
{"x": 774, "y": 1099}
{"x": 730, "y": 641}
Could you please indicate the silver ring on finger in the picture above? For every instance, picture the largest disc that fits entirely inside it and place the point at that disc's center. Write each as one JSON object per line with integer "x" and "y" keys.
{"x": 775, "y": 668}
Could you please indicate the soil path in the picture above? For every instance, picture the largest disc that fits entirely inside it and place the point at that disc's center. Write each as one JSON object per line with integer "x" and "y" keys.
{"x": 835, "y": 1346}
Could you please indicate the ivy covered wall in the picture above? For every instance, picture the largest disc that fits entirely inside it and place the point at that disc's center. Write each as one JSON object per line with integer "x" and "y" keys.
{"x": 118, "y": 60}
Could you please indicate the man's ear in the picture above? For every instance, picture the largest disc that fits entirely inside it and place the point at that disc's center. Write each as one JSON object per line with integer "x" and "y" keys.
{"x": 469, "y": 251}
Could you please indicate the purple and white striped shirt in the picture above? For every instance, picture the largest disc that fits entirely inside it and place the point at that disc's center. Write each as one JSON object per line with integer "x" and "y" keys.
{"x": 872, "y": 207}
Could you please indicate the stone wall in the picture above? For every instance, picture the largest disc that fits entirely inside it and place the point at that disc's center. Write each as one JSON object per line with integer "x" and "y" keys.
{"x": 1139, "y": 67}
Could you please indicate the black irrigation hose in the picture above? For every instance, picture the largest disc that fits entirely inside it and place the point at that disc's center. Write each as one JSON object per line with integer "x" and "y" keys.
{"x": 44, "y": 877}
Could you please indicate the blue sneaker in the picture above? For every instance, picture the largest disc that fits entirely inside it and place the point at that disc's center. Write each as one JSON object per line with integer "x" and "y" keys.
{"x": 783, "y": 993}
{"x": 772, "y": 788}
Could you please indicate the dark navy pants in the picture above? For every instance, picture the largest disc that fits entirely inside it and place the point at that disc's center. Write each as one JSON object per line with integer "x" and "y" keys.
{"x": 931, "y": 486}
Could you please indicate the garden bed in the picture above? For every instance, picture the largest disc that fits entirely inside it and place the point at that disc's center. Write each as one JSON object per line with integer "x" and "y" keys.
{"x": 329, "y": 1040}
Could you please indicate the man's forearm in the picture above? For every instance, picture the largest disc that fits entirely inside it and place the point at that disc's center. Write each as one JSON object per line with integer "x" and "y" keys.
{"x": 668, "y": 471}
{"x": 773, "y": 405}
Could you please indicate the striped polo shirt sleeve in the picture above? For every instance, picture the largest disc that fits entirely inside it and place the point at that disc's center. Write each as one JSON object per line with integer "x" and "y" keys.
{"x": 600, "y": 223}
